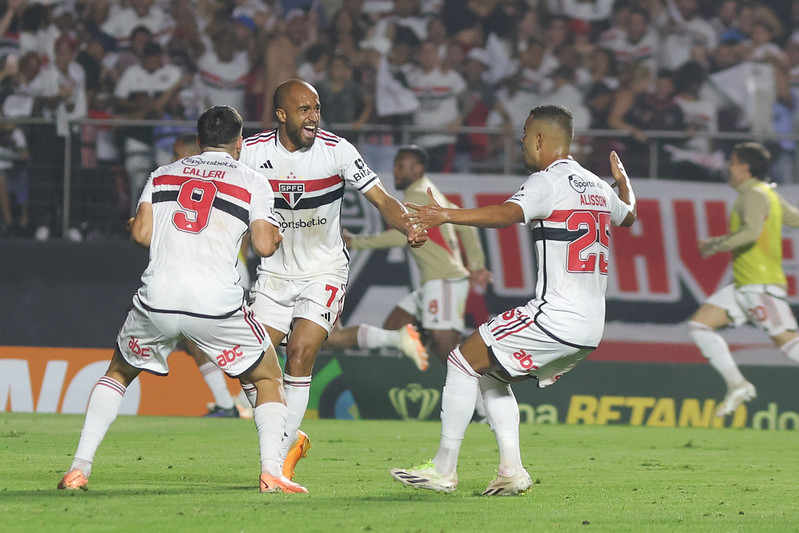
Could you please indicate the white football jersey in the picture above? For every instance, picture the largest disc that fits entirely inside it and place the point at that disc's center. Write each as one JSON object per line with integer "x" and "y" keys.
{"x": 570, "y": 211}
{"x": 202, "y": 207}
{"x": 308, "y": 185}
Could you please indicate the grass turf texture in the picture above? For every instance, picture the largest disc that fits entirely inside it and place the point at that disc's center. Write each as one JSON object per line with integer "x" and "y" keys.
{"x": 195, "y": 474}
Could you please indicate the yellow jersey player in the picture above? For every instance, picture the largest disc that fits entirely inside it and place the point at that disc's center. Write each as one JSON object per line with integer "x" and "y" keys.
{"x": 757, "y": 294}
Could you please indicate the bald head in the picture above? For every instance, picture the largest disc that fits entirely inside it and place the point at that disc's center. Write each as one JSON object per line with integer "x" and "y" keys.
{"x": 287, "y": 88}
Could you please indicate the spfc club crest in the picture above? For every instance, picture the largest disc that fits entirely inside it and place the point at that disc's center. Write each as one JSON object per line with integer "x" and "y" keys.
{"x": 292, "y": 192}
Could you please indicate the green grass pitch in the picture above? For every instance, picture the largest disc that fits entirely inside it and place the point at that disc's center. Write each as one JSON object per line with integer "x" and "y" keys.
{"x": 194, "y": 474}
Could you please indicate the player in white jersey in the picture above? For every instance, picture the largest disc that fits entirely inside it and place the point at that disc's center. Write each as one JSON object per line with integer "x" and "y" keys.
{"x": 192, "y": 215}
{"x": 300, "y": 289}
{"x": 570, "y": 211}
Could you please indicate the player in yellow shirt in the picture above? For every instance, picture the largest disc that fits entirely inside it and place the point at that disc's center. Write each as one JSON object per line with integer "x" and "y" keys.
{"x": 757, "y": 294}
{"x": 438, "y": 306}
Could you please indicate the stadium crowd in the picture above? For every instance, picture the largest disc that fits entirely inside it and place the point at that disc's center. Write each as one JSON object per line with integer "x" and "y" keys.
{"x": 680, "y": 68}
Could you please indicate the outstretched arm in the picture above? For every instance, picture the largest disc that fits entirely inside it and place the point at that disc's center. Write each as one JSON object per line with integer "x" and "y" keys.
{"x": 393, "y": 211}
{"x": 490, "y": 216}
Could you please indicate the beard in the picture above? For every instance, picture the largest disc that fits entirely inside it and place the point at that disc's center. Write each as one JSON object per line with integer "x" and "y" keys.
{"x": 294, "y": 133}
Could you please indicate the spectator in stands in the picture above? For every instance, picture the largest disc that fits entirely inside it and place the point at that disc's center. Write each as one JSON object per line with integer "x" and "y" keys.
{"x": 60, "y": 92}
{"x": 37, "y": 33}
{"x": 783, "y": 116}
{"x": 280, "y": 58}
{"x": 536, "y": 67}
{"x": 628, "y": 101}
{"x": 761, "y": 46}
{"x": 566, "y": 94}
{"x": 223, "y": 71}
{"x": 603, "y": 68}
{"x": 510, "y": 98}
{"x": 9, "y": 24}
{"x": 133, "y": 54}
{"x": 14, "y": 157}
{"x": 638, "y": 42}
{"x": 313, "y": 63}
{"x": 142, "y": 92}
{"x": 725, "y": 18}
{"x": 185, "y": 45}
{"x": 343, "y": 99}
{"x": 687, "y": 36}
{"x": 700, "y": 113}
{"x": 139, "y": 13}
{"x": 406, "y": 14}
{"x": 438, "y": 93}
{"x": 437, "y": 33}
{"x": 477, "y": 100}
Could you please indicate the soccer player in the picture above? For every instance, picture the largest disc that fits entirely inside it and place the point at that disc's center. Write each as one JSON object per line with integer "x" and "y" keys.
{"x": 300, "y": 290}
{"x": 225, "y": 405}
{"x": 439, "y": 304}
{"x": 570, "y": 211}
{"x": 192, "y": 215}
{"x": 757, "y": 294}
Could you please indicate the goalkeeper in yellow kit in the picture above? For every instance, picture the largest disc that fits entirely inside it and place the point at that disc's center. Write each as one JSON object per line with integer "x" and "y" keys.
{"x": 758, "y": 291}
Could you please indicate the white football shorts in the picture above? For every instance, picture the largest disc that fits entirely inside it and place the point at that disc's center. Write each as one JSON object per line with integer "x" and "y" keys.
{"x": 235, "y": 343}
{"x": 278, "y": 301}
{"x": 438, "y": 304}
{"x": 521, "y": 348}
{"x": 762, "y": 305}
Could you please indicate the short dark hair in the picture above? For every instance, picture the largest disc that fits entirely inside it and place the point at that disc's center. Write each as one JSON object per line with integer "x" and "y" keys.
{"x": 219, "y": 126}
{"x": 756, "y": 156}
{"x": 557, "y": 116}
{"x": 415, "y": 150}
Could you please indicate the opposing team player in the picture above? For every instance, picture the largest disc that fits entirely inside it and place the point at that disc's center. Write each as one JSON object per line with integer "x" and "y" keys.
{"x": 300, "y": 289}
{"x": 758, "y": 291}
{"x": 570, "y": 211}
{"x": 192, "y": 215}
{"x": 439, "y": 305}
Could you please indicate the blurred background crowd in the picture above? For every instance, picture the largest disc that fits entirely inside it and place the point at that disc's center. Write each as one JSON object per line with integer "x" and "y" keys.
{"x": 94, "y": 93}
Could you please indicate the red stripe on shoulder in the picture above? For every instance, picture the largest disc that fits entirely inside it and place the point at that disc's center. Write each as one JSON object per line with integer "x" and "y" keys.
{"x": 233, "y": 190}
{"x": 169, "y": 179}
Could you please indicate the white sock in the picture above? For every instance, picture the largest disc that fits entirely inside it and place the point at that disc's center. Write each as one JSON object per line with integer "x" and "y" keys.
{"x": 270, "y": 421}
{"x": 503, "y": 416}
{"x": 251, "y": 391}
{"x": 457, "y": 407}
{"x": 791, "y": 349}
{"x": 298, "y": 389}
{"x": 715, "y": 349}
{"x": 373, "y": 337}
{"x": 102, "y": 410}
{"x": 215, "y": 379}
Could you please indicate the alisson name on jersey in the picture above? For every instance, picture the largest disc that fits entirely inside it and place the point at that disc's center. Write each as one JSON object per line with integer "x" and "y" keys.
{"x": 200, "y": 173}
{"x": 593, "y": 199}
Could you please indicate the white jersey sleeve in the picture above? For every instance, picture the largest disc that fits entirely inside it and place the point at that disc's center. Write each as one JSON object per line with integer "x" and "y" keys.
{"x": 536, "y": 198}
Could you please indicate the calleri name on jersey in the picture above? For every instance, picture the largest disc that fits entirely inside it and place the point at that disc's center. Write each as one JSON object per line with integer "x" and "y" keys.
{"x": 308, "y": 185}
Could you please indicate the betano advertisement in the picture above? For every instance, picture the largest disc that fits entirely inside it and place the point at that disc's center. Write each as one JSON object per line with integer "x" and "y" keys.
{"x": 645, "y": 372}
